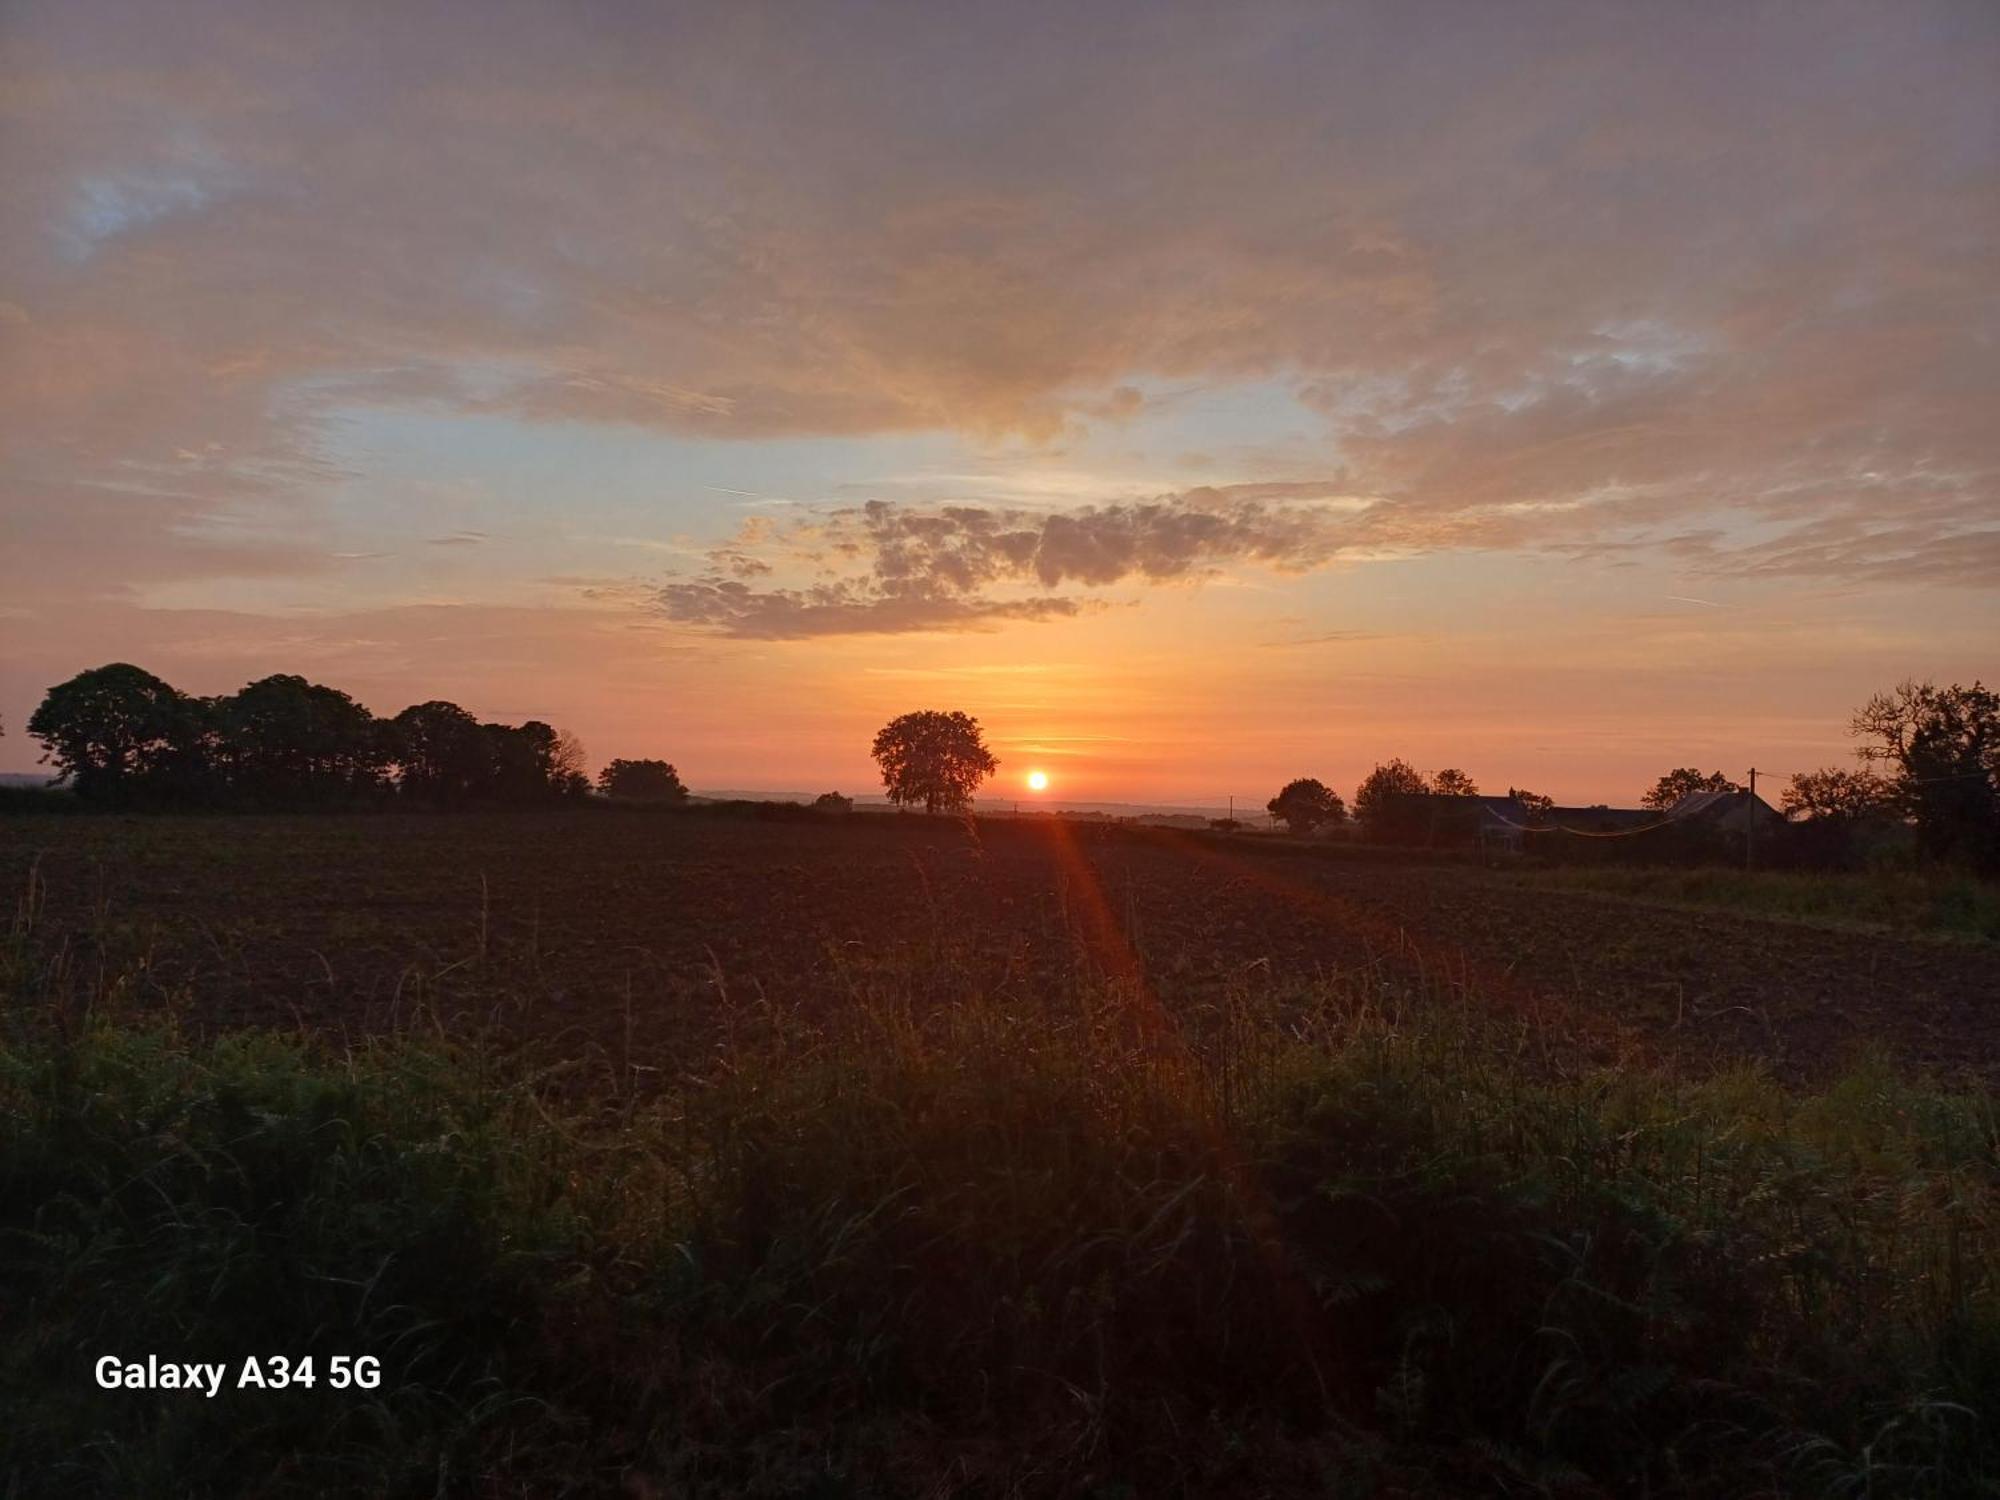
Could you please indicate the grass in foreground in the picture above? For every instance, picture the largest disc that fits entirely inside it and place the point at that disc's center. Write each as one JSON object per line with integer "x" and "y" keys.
{"x": 1342, "y": 1242}
{"x": 1886, "y": 901}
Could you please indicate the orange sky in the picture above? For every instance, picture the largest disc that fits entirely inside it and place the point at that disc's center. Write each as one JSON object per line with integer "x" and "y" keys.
{"x": 1201, "y": 400}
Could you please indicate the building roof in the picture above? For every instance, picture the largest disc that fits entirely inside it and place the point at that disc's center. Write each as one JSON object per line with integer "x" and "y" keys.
{"x": 1507, "y": 811}
{"x": 1720, "y": 803}
{"x": 1695, "y": 804}
{"x": 1601, "y": 817}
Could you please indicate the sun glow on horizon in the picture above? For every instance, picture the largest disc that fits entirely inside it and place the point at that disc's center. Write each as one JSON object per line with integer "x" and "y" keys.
{"x": 1038, "y": 781}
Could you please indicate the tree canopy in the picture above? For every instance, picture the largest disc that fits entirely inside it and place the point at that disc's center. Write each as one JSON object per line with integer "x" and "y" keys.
{"x": 1389, "y": 780}
{"x": 1836, "y": 793}
{"x": 933, "y": 758}
{"x": 121, "y": 736}
{"x": 284, "y": 741}
{"x": 1685, "y": 781}
{"x": 117, "y": 733}
{"x": 642, "y": 781}
{"x": 1534, "y": 804}
{"x": 1306, "y": 804}
{"x": 1941, "y": 746}
{"x": 1452, "y": 782}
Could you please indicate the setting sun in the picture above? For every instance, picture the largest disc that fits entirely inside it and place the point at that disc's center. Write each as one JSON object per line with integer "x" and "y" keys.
{"x": 1038, "y": 781}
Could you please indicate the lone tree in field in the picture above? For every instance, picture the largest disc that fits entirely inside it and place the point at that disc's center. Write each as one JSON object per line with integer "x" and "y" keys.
{"x": 1454, "y": 783}
{"x": 1305, "y": 804}
{"x": 1685, "y": 782}
{"x": 642, "y": 781}
{"x": 1375, "y": 796}
{"x": 833, "y": 802}
{"x": 934, "y": 758}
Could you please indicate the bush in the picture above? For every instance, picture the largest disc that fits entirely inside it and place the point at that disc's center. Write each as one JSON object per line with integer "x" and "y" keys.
{"x": 1332, "y": 1238}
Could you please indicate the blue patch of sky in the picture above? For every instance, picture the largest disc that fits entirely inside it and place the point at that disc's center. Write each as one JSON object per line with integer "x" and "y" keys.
{"x": 1243, "y": 428}
{"x": 588, "y": 479}
{"x": 607, "y": 479}
{"x": 105, "y": 205}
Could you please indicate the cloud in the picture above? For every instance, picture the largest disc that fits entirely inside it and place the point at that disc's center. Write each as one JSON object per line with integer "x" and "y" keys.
{"x": 914, "y": 568}
{"x": 1328, "y": 638}
{"x": 727, "y": 607}
{"x": 1577, "y": 276}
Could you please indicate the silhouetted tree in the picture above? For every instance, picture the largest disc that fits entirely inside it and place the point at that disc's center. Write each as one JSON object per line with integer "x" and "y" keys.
{"x": 1305, "y": 804}
{"x": 934, "y": 758}
{"x": 642, "y": 781}
{"x": 517, "y": 763}
{"x": 1835, "y": 793}
{"x": 1454, "y": 783}
{"x": 1942, "y": 746}
{"x": 284, "y": 742}
{"x": 530, "y": 764}
{"x": 569, "y": 766}
{"x": 442, "y": 754}
{"x": 1375, "y": 796}
{"x": 122, "y": 736}
{"x": 1685, "y": 782}
{"x": 119, "y": 734}
{"x": 833, "y": 802}
{"x": 1534, "y": 804}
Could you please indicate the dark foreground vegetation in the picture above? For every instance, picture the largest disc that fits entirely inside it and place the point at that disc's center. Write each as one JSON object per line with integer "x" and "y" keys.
{"x": 1005, "y": 1194}
{"x": 1364, "y": 1246}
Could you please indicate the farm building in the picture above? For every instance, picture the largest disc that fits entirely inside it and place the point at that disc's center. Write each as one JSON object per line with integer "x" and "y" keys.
{"x": 1504, "y": 825}
{"x": 1732, "y": 812}
{"x": 1496, "y": 823}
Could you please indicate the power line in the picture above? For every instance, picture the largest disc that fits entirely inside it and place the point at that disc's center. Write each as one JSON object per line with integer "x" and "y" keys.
{"x": 1582, "y": 833}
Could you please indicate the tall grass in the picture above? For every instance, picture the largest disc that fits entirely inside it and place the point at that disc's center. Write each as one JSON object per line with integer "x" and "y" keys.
{"x": 1355, "y": 1239}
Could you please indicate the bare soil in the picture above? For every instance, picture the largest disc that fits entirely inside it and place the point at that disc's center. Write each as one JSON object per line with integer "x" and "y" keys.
{"x": 639, "y": 933}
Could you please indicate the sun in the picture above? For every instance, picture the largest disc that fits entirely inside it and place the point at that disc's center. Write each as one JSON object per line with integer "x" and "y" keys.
{"x": 1038, "y": 781}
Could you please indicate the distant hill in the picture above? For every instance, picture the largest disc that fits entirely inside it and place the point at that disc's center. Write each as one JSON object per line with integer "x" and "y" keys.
{"x": 996, "y": 806}
{"x": 1166, "y": 814}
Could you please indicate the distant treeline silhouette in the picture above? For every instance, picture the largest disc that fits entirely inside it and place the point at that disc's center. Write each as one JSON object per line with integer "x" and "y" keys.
{"x": 121, "y": 737}
{"x": 1929, "y": 771}
{"x": 1928, "y": 786}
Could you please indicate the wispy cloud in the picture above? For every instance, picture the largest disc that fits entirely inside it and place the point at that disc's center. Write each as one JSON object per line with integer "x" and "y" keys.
{"x": 1331, "y": 637}
{"x": 1681, "y": 274}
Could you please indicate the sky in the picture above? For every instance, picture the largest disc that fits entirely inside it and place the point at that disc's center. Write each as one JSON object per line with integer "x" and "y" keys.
{"x": 1200, "y": 396}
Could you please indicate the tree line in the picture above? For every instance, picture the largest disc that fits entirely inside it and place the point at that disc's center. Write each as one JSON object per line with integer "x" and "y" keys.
{"x": 1928, "y": 760}
{"x": 120, "y": 736}
{"x": 1308, "y": 804}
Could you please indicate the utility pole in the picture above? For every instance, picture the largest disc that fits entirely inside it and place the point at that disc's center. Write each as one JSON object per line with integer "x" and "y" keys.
{"x": 1750, "y": 825}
